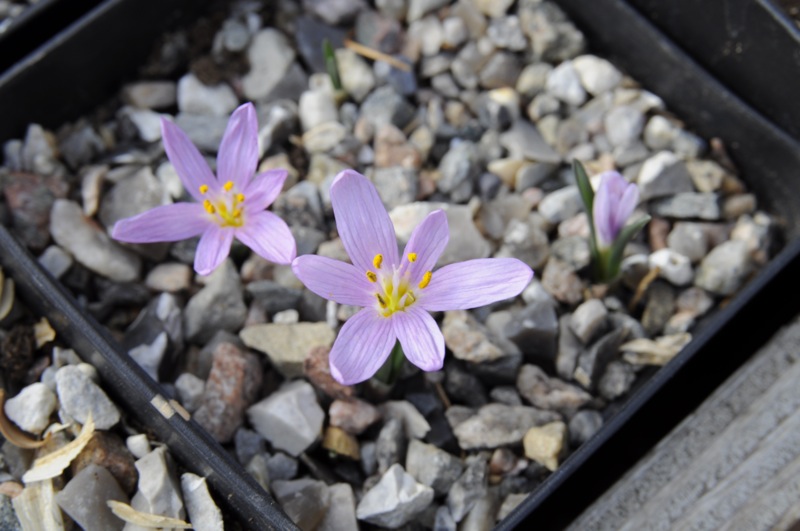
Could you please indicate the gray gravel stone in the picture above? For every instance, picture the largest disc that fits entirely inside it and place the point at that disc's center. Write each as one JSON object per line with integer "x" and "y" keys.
{"x": 470, "y": 487}
{"x": 725, "y": 268}
{"x": 497, "y": 425}
{"x": 218, "y": 306}
{"x": 525, "y": 141}
{"x": 203, "y": 512}
{"x": 30, "y": 409}
{"x": 432, "y": 466}
{"x": 564, "y": 83}
{"x": 550, "y": 393}
{"x": 270, "y": 54}
{"x": 158, "y": 489}
{"x": 196, "y": 98}
{"x": 663, "y": 175}
{"x": 588, "y": 319}
{"x": 84, "y": 498}
{"x": 394, "y": 500}
{"x": 305, "y": 501}
{"x": 673, "y": 266}
{"x": 80, "y": 397}
{"x": 583, "y": 425}
{"x": 287, "y": 345}
{"x": 689, "y": 206}
{"x": 290, "y": 418}
{"x": 89, "y": 245}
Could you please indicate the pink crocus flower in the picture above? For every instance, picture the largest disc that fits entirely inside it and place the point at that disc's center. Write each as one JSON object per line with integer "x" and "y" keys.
{"x": 396, "y": 290}
{"x": 613, "y": 205}
{"x": 232, "y": 204}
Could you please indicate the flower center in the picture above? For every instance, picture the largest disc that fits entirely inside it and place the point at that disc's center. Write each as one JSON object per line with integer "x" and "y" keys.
{"x": 393, "y": 288}
{"x": 226, "y": 206}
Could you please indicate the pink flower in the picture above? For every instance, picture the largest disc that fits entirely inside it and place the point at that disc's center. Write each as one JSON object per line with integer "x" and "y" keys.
{"x": 613, "y": 205}
{"x": 232, "y": 204}
{"x": 396, "y": 291}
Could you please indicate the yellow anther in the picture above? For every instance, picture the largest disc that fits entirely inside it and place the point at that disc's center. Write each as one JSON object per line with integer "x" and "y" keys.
{"x": 372, "y": 277}
{"x": 426, "y": 279}
{"x": 228, "y": 186}
{"x": 380, "y": 300}
{"x": 203, "y": 189}
{"x": 240, "y": 198}
{"x": 377, "y": 261}
{"x": 237, "y": 213}
{"x": 209, "y": 207}
{"x": 412, "y": 257}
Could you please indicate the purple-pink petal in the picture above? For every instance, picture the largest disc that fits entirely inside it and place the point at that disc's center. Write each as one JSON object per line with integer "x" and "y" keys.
{"x": 428, "y": 241}
{"x": 212, "y": 249}
{"x": 189, "y": 163}
{"x": 627, "y": 204}
{"x": 602, "y": 215}
{"x": 420, "y": 337}
{"x": 614, "y": 202}
{"x": 474, "y": 283}
{"x": 334, "y": 280}
{"x": 362, "y": 220}
{"x": 268, "y": 236}
{"x": 264, "y": 188}
{"x": 361, "y": 348}
{"x": 237, "y": 157}
{"x": 167, "y": 223}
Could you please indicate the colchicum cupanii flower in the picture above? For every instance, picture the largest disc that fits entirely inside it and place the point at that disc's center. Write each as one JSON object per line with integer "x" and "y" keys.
{"x": 397, "y": 290}
{"x": 608, "y": 211}
{"x": 232, "y": 204}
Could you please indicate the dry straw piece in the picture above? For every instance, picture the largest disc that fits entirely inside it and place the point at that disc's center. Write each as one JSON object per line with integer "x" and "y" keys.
{"x": 149, "y": 520}
{"x": 6, "y": 295}
{"x": 53, "y": 464}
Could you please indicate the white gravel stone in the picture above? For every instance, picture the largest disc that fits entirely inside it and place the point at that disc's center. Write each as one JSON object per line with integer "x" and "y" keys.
{"x": 89, "y": 245}
{"x": 79, "y": 397}
{"x": 395, "y": 500}
{"x": 204, "y": 514}
{"x": 673, "y": 266}
{"x": 169, "y": 277}
{"x": 659, "y": 133}
{"x": 196, "y": 98}
{"x": 561, "y": 204}
{"x": 623, "y": 124}
{"x": 138, "y": 445}
{"x": 355, "y": 73}
{"x": 190, "y": 391}
{"x": 147, "y": 122}
{"x": 597, "y": 75}
{"x": 290, "y": 418}
{"x": 725, "y": 268}
{"x": 564, "y": 83}
{"x": 270, "y": 55}
{"x": 158, "y": 489}
{"x": 316, "y": 107}
{"x": 31, "y": 408}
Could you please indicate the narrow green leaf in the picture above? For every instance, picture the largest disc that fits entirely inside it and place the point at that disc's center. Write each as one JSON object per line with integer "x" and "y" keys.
{"x": 331, "y": 65}
{"x": 618, "y": 247}
{"x": 585, "y": 186}
{"x": 587, "y": 196}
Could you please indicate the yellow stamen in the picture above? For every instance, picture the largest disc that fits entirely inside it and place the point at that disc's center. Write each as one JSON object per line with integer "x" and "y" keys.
{"x": 228, "y": 186}
{"x": 410, "y": 298}
{"x": 209, "y": 207}
{"x": 412, "y": 257}
{"x": 377, "y": 261}
{"x": 237, "y": 213}
{"x": 380, "y": 300}
{"x": 240, "y": 198}
{"x": 426, "y": 279}
{"x": 372, "y": 277}
{"x": 203, "y": 189}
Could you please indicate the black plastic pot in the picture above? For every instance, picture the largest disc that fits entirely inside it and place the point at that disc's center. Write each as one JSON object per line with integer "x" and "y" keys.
{"x": 107, "y": 45}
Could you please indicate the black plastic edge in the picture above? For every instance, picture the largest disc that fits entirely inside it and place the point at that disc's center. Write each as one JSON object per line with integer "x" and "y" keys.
{"x": 141, "y": 397}
{"x": 86, "y": 63}
{"x": 750, "y": 45}
{"x": 38, "y": 23}
{"x": 772, "y": 161}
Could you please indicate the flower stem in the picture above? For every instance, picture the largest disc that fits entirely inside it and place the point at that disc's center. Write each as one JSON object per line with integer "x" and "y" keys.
{"x": 390, "y": 370}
